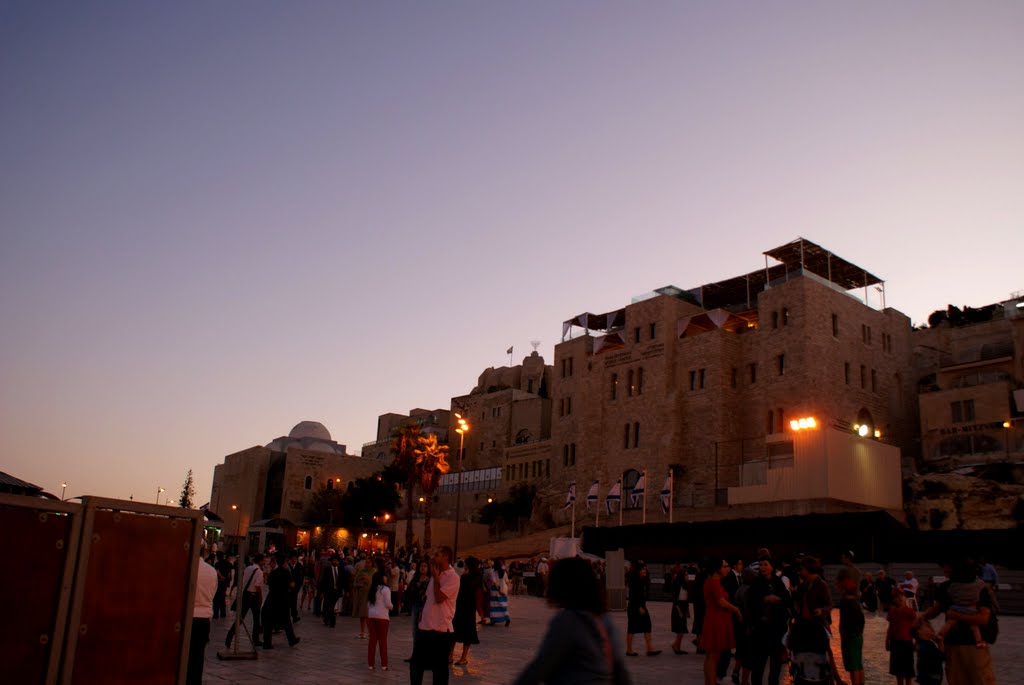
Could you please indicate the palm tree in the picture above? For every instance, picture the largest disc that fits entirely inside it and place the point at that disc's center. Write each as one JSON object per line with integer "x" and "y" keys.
{"x": 431, "y": 464}
{"x": 404, "y": 444}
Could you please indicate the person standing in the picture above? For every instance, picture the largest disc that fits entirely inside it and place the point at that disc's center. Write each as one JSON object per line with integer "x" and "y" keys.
{"x": 223, "y": 568}
{"x": 499, "y": 594}
{"x": 768, "y": 606}
{"x": 638, "y": 617}
{"x": 680, "y": 592}
{"x": 542, "y": 577}
{"x": 467, "y": 604}
{"x": 276, "y": 608}
{"x": 851, "y": 619}
{"x": 330, "y": 585}
{"x": 899, "y": 640}
{"x": 298, "y": 572}
{"x": 365, "y": 570}
{"x": 378, "y": 619}
{"x": 416, "y": 596}
{"x": 435, "y": 637}
{"x": 884, "y": 587}
{"x": 207, "y": 586}
{"x": 717, "y": 632}
{"x": 251, "y": 600}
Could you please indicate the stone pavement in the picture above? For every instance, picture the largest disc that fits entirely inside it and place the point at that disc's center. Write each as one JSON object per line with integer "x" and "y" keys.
{"x": 327, "y": 656}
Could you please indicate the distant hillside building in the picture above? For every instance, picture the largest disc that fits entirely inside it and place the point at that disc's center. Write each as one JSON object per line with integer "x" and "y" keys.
{"x": 272, "y": 486}
{"x": 969, "y": 367}
{"x": 434, "y": 421}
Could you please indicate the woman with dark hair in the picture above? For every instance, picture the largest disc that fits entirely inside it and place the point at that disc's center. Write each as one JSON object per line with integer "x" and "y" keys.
{"x": 717, "y": 634}
{"x": 471, "y": 587}
{"x": 638, "y": 617}
{"x": 378, "y": 613}
{"x": 580, "y": 647}
{"x": 498, "y": 587}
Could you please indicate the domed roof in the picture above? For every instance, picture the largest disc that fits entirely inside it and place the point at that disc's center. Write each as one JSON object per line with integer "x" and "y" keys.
{"x": 310, "y": 429}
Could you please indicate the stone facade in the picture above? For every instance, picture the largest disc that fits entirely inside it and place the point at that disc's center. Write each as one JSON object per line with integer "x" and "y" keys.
{"x": 969, "y": 372}
{"x": 705, "y": 391}
{"x": 434, "y": 421}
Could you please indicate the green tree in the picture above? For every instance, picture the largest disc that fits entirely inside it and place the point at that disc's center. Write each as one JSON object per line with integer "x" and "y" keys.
{"x": 366, "y": 499}
{"x": 188, "y": 492}
{"x": 403, "y": 468}
{"x": 431, "y": 464}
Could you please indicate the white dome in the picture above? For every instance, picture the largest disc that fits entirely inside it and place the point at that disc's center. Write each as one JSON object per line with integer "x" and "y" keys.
{"x": 310, "y": 429}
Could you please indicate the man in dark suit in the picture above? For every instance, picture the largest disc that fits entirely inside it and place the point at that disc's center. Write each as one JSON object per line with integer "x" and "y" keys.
{"x": 330, "y": 586}
{"x": 731, "y": 583}
{"x": 275, "y": 610}
{"x": 298, "y": 572}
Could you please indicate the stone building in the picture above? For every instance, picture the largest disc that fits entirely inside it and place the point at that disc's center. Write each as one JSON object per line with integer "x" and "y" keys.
{"x": 969, "y": 367}
{"x": 263, "y": 490}
{"x": 434, "y": 421}
{"x": 706, "y": 382}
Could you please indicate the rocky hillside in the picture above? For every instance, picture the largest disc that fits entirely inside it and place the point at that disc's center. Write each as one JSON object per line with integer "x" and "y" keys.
{"x": 952, "y": 501}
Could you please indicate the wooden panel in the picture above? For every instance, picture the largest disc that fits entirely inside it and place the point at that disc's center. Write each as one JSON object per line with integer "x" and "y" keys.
{"x": 39, "y": 543}
{"x": 129, "y": 622}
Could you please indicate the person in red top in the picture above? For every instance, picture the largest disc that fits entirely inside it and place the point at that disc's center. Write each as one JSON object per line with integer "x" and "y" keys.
{"x": 717, "y": 634}
{"x": 899, "y": 641}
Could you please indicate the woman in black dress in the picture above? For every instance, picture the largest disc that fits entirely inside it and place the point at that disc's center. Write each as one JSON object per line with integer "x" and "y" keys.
{"x": 471, "y": 587}
{"x": 638, "y": 618}
{"x": 680, "y": 591}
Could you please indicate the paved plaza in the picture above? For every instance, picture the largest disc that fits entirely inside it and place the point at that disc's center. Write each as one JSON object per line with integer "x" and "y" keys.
{"x": 339, "y": 656}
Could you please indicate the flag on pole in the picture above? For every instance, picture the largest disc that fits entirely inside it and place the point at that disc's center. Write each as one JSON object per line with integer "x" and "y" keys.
{"x": 614, "y": 496}
{"x": 508, "y": 351}
{"x": 666, "y": 494}
{"x": 570, "y": 498}
{"x": 638, "y": 489}
{"x": 592, "y": 496}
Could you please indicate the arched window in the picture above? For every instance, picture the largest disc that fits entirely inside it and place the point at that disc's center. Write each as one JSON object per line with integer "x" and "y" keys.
{"x": 308, "y": 484}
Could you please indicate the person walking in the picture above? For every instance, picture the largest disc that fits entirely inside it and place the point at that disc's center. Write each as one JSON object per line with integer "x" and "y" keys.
{"x": 251, "y": 599}
{"x": 638, "y": 617}
{"x": 768, "y": 606}
{"x": 851, "y": 619}
{"x": 378, "y": 619}
{"x": 680, "y": 591}
{"x": 277, "y": 607}
{"x": 581, "y": 644}
{"x": 207, "y": 586}
{"x": 365, "y": 570}
{"x": 435, "y": 637}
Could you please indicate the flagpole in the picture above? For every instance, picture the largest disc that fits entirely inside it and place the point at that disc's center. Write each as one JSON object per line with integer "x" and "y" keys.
{"x": 620, "y": 497}
{"x": 597, "y": 509}
{"x": 574, "y": 517}
{"x": 644, "y": 517}
{"x": 671, "y": 487}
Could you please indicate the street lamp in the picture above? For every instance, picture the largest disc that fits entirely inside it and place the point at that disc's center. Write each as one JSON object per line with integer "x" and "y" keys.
{"x": 63, "y": 489}
{"x": 158, "y": 491}
{"x": 461, "y": 430}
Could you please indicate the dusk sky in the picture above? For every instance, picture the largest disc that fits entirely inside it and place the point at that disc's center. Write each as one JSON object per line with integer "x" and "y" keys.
{"x": 218, "y": 219}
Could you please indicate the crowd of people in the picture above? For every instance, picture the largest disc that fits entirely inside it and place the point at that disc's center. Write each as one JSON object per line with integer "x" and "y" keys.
{"x": 756, "y": 617}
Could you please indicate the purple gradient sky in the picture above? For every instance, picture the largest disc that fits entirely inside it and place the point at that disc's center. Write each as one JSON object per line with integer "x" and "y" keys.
{"x": 219, "y": 219}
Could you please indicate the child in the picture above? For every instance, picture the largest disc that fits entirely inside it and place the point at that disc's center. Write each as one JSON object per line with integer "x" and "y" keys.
{"x": 929, "y": 656}
{"x": 898, "y": 640}
{"x": 964, "y": 598}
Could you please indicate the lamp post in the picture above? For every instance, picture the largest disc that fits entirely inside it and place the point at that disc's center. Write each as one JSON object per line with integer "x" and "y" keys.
{"x": 461, "y": 430}
{"x": 158, "y": 491}
{"x": 63, "y": 489}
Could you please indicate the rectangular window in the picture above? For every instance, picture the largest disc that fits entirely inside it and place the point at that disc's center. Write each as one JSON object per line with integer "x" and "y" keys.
{"x": 846, "y": 372}
{"x": 753, "y": 372}
{"x": 869, "y": 335}
{"x": 625, "y": 442}
{"x": 529, "y": 385}
{"x": 631, "y": 386}
{"x": 785, "y": 316}
{"x": 835, "y": 325}
{"x": 568, "y": 405}
{"x": 968, "y": 410}
{"x": 572, "y": 454}
{"x": 693, "y": 380}
{"x": 654, "y": 330}
{"x": 864, "y": 334}
{"x": 615, "y": 385}
{"x": 775, "y": 319}
{"x": 781, "y": 361}
{"x": 640, "y": 380}
{"x": 636, "y": 435}
{"x": 636, "y": 334}
{"x": 563, "y": 368}
{"x": 702, "y": 379}
{"x": 732, "y": 377}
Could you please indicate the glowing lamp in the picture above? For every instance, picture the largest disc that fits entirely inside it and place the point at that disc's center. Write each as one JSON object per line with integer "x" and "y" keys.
{"x": 863, "y": 431}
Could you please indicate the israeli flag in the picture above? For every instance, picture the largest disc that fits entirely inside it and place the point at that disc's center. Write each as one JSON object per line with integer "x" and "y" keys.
{"x": 592, "y": 496}
{"x": 666, "y": 494}
{"x": 614, "y": 496}
{"x": 638, "y": 489}
{"x": 570, "y": 498}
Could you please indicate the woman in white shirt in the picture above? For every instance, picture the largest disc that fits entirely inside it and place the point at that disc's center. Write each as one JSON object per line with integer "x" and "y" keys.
{"x": 378, "y": 618}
